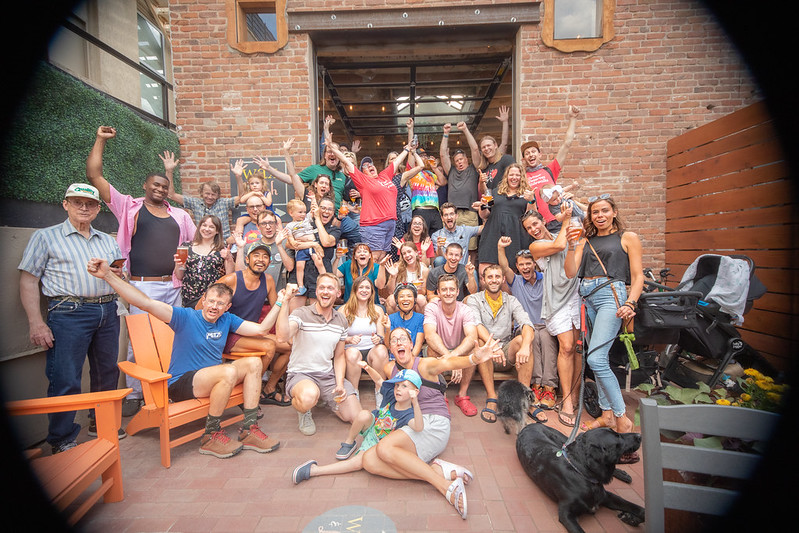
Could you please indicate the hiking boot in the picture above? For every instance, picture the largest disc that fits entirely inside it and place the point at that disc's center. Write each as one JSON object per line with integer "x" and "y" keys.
{"x": 548, "y": 398}
{"x": 307, "y": 426}
{"x": 92, "y": 431}
{"x": 537, "y": 392}
{"x": 256, "y": 440}
{"x": 219, "y": 445}
{"x": 64, "y": 446}
{"x": 131, "y": 406}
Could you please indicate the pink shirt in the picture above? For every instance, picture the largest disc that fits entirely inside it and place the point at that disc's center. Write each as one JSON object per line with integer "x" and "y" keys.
{"x": 450, "y": 329}
{"x": 125, "y": 208}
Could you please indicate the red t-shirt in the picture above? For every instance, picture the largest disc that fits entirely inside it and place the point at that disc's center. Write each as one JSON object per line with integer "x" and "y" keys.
{"x": 539, "y": 178}
{"x": 378, "y": 196}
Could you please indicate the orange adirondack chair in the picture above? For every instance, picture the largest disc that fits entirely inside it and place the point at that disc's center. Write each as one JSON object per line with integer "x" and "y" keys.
{"x": 67, "y": 475}
{"x": 152, "y": 348}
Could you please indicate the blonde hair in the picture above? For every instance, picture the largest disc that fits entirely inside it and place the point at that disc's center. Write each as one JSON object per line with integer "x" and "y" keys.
{"x": 294, "y": 204}
{"x": 523, "y": 185}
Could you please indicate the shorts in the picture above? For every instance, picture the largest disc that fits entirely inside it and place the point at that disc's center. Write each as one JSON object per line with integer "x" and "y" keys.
{"x": 303, "y": 255}
{"x": 566, "y": 318}
{"x": 468, "y": 217}
{"x": 433, "y": 439}
{"x": 232, "y": 338}
{"x": 183, "y": 388}
{"x": 324, "y": 381}
{"x": 379, "y": 236}
{"x": 369, "y": 437}
{"x": 510, "y": 362}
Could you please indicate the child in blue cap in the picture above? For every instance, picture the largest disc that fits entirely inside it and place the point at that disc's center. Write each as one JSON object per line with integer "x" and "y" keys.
{"x": 399, "y": 407}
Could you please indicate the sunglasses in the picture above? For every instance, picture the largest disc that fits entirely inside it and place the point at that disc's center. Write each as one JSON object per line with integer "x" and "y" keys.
{"x": 592, "y": 199}
{"x": 458, "y": 151}
{"x": 523, "y": 253}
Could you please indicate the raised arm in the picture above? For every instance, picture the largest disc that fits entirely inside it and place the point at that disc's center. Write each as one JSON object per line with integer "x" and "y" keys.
{"x": 99, "y": 269}
{"x": 443, "y": 153}
{"x": 94, "y": 163}
{"x": 170, "y": 163}
{"x": 471, "y": 141}
{"x": 238, "y": 172}
{"x": 504, "y": 117}
{"x": 502, "y": 259}
{"x": 284, "y": 329}
{"x": 567, "y": 140}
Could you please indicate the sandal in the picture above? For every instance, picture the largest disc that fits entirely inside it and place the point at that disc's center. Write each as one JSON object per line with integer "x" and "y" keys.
{"x": 538, "y": 416}
{"x": 270, "y": 398}
{"x": 567, "y": 419}
{"x": 597, "y": 423}
{"x": 460, "y": 471}
{"x": 466, "y": 406}
{"x": 455, "y": 492}
{"x": 629, "y": 458}
{"x": 489, "y": 411}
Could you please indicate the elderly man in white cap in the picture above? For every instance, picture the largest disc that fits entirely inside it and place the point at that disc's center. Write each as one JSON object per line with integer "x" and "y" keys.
{"x": 82, "y": 318}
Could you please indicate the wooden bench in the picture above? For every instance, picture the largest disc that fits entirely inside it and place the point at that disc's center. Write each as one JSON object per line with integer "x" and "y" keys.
{"x": 152, "y": 348}
{"x": 67, "y": 475}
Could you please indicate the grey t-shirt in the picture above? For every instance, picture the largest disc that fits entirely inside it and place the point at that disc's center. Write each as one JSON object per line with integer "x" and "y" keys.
{"x": 462, "y": 186}
{"x": 558, "y": 289}
{"x": 460, "y": 273}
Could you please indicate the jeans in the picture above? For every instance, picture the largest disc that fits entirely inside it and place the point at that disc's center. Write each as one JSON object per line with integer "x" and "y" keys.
{"x": 601, "y": 310}
{"x": 80, "y": 331}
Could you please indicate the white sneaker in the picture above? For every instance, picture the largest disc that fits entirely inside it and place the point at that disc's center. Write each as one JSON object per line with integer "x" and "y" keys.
{"x": 307, "y": 426}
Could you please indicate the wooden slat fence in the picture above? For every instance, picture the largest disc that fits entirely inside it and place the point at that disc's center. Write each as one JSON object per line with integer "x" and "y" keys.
{"x": 728, "y": 191}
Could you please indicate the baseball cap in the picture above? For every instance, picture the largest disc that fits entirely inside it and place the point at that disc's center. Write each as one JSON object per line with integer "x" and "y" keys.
{"x": 365, "y": 160}
{"x": 406, "y": 374}
{"x": 251, "y": 247}
{"x": 82, "y": 190}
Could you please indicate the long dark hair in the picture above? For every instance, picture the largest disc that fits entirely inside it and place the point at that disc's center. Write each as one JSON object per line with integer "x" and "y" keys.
{"x": 219, "y": 240}
{"x": 588, "y": 224}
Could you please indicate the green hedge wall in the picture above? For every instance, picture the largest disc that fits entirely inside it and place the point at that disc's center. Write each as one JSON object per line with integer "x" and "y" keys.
{"x": 55, "y": 129}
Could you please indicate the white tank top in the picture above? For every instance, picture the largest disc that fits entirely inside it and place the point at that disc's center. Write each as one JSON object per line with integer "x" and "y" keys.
{"x": 363, "y": 327}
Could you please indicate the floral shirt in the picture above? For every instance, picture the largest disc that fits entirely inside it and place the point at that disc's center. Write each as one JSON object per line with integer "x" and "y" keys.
{"x": 201, "y": 272}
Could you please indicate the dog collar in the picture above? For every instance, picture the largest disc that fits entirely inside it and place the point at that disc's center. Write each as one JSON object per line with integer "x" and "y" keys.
{"x": 562, "y": 453}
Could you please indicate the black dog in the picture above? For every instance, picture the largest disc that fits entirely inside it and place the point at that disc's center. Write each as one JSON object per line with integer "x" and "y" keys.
{"x": 576, "y": 477}
{"x": 513, "y": 401}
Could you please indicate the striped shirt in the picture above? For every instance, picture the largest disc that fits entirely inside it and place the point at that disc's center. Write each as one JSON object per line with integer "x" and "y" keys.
{"x": 221, "y": 209}
{"x": 58, "y": 255}
{"x": 315, "y": 342}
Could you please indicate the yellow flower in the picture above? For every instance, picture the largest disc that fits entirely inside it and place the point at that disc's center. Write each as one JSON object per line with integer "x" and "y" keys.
{"x": 774, "y": 397}
{"x": 736, "y": 404}
{"x": 746, "y": 397}
{"x": 769, "y": 379}
{"x": 723, "y": 401}
{"x": 752, "y": 372}
{"x": 763, "y": 384}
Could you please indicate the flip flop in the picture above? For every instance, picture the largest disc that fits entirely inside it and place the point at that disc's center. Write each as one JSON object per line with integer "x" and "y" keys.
{"x": 567, "y": 419}
{"x": 460, "y": 471}
{"x": 269, "y": 398}
{"x": 457, "y": 490}
{"x": 536, "y": 416}
{"x": 487, "y": 410}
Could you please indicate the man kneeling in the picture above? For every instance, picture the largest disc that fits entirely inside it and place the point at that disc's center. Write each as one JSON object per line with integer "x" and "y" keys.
{"x": 196, "y": 364}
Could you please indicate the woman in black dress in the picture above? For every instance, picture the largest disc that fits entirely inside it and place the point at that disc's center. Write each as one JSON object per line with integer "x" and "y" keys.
{"x": 510, "y": 202}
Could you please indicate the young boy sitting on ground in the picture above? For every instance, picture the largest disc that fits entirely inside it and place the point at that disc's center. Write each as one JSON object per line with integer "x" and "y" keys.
{"x": 399, "y": 407}
{"x": 559, "y": 198}
{"x": 302, "y": 238}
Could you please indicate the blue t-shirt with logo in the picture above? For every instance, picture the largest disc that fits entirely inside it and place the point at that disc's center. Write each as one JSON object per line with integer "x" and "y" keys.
{"x": 198, "y": 343}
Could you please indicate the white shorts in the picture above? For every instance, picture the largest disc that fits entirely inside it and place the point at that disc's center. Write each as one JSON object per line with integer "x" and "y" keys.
{"x": 433, "y": 439}
{"x": 565, "y": 318}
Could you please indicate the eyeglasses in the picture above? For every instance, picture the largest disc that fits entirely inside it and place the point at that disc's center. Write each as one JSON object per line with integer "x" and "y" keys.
{"x": 87, "y": 205}
{"x": 326, "y": 209}
{"x": 266, "y": 223}
{"x": 592, "y": 199}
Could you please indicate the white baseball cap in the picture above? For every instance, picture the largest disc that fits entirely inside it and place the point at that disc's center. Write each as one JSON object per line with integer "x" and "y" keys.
{"x": 83, "y": 190}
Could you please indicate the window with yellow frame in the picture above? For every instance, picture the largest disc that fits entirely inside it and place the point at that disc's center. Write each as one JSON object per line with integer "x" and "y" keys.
{"x": 577, "y": 25}
{"x": 257, "y": 26}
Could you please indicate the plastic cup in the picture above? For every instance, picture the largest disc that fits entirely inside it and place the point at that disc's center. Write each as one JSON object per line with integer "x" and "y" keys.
{"x": 183, "y": 253}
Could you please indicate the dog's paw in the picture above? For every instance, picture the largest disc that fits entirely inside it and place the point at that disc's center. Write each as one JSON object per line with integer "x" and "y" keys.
{"x": 621, "y": 475}
{"x": 633, "y": 519}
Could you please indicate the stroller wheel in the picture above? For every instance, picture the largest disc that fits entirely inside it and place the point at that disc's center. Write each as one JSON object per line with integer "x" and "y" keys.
{"x": 591, "y": 399}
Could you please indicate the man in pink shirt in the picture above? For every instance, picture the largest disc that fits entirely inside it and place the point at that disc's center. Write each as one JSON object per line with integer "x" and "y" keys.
{"x": 450, "y": 330}
{"x": 149, "y": 233}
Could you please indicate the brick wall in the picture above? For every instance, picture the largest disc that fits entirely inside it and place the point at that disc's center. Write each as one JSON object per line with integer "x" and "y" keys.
{"x": 670, "y": 68}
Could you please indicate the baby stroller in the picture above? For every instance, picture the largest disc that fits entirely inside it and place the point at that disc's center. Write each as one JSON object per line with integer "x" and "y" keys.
{"x": 729, "y": 287}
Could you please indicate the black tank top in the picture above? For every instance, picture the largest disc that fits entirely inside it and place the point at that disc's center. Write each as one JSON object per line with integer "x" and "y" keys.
{"x": 153, "y": 246}
{"x": 247, "y": 304}
{"x": 610, "y": 250}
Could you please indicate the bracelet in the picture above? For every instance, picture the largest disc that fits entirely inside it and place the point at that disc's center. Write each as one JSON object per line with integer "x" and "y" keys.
{"x": 446, "y": 135}
{"x": 628, "y": 304}
{"x": 633, "y": 303}
{"x": 470, "y": 358}
{"x": 279, "y": 304}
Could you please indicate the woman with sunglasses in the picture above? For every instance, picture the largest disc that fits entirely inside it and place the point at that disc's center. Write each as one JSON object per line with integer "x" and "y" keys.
{"x": 606, "y": 261}
{"x": 408, "y": 270}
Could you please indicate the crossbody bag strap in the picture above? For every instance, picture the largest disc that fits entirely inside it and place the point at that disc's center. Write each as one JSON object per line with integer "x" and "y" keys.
{"x": 612, "y": 288}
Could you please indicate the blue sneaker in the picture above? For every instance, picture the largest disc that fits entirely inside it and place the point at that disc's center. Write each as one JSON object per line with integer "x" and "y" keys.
{"x": 346, "y": 451}
{"x": 302, "y": 472}
{"x": 301, "y": 291}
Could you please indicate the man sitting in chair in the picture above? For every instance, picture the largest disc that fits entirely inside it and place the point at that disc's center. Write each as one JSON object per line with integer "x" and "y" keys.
{"x": 498, "y": 315}
{"x": 196, "y": 365}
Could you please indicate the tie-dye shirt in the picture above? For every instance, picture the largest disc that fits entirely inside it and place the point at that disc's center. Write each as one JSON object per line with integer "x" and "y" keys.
{"x": 423, "y": 190}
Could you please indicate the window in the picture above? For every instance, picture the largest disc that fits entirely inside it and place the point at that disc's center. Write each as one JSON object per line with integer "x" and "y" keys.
{"x": 577, "y": 25}
{"x": 151, "y": 55}
{"x": 68, "y": 50}
{"x": 257, "y": 26}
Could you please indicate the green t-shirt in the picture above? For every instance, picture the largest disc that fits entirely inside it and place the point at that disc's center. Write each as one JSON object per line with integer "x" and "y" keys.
{"x": 337, "y": 179}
